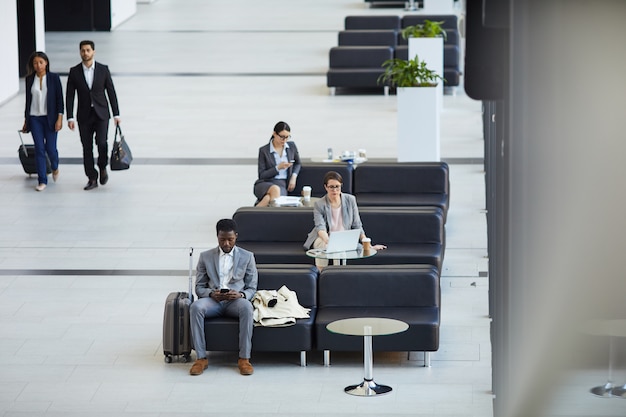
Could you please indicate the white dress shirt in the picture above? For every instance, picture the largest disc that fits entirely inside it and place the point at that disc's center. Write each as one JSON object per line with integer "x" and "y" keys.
{"x": 282, "y": 173}
{"x": 88, "y": 71}
{"x": 226, "y": 268}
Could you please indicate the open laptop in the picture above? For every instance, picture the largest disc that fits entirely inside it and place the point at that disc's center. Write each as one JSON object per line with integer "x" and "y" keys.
{"x": 343, "y": 241}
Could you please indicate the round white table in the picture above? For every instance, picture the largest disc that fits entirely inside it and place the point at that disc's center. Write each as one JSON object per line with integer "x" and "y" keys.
{"x": 612, "y": 328}
{"x": 367, "y": 327}
{"x": 340, "y": 258}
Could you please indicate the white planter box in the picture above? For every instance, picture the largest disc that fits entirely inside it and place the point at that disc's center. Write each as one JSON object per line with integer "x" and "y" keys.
{"x": 418, "y": 124}
{"x": 429, "y": 50}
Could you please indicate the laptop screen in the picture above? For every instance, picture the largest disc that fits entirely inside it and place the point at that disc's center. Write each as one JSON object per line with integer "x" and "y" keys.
{"x": 342, "y": 241}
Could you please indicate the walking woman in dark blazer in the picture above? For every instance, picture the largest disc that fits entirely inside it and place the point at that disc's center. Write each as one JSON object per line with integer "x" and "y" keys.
{"x": 43, "y": 115}
{"x": 279, "y": 165}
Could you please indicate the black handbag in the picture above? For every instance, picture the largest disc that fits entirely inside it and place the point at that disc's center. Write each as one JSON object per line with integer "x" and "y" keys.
{"x": 121, "y": 156}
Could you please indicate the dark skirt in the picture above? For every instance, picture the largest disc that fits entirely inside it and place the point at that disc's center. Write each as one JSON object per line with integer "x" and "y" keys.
{"x": 260, "y": 188}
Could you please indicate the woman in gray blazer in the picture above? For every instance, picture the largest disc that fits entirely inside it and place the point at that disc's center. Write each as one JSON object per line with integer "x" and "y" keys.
{"x": 334, "y": 212}
{"x": 279, "y": 165}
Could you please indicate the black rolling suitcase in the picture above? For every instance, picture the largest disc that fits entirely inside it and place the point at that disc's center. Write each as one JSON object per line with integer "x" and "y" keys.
{"x": 27, "y": 157}
{"x": 176, "y": 327}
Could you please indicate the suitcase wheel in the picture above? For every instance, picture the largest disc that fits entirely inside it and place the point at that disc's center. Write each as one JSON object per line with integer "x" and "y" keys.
{"x": 182, "y": 358}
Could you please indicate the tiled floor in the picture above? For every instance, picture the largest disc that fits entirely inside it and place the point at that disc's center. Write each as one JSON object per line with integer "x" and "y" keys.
{"x": 83, "y": 275}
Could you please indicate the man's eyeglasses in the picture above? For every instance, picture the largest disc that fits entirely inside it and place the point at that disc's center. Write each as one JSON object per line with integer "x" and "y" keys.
{"x": 333, "y": 187}
{"x": 284, "y": 137}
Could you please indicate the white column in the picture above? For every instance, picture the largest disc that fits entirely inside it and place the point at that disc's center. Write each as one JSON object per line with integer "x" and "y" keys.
{"x": 9, "y": 72}
{"x": 122, "y": 10}
{"x": 40, "y": 26}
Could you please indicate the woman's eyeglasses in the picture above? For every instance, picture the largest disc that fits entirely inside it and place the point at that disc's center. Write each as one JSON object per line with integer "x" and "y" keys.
{"x": 333, "y": 187}
{"x": 284, "y": 137}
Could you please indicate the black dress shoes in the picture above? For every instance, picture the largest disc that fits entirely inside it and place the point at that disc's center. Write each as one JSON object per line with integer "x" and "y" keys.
{"x": 104, "y": 177}
{"x": 91, "y": 185}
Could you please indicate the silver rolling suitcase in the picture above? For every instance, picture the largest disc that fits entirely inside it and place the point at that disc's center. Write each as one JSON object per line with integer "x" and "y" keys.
{"x": 176, "y": 327}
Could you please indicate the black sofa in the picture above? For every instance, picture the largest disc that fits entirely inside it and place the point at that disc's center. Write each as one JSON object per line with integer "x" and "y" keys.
{"x": 403, "y": 184}
{"x": 349, "y": 69}
{"x": 414, "y": 235}
{"x": 410, "y": 293}
{"x": 221, "y": 333}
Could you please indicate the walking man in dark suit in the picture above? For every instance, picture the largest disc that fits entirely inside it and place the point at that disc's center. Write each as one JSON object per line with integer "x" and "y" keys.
{"x": 91, "y": 79}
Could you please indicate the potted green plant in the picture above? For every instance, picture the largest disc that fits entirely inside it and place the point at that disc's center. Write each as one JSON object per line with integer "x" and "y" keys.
{"x": 408, "y": 73}
{"x": 418, "y": 108}
{"x": 426, "y": 40}
{"x": 428, "y": 29}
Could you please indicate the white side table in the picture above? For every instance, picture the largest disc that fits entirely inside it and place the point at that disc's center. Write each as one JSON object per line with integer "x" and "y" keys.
{"x": 367, "y": 327}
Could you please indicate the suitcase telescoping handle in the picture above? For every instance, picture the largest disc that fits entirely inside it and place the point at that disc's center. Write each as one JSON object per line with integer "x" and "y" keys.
{"x": 190, "y": 273}
{"x": 19, "y": 132}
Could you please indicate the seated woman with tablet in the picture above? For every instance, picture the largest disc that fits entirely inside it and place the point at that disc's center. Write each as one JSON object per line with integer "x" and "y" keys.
{"x": 278, "y": 166}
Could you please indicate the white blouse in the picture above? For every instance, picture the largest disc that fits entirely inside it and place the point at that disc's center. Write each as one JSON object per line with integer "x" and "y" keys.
{"x": 39, "y": 90}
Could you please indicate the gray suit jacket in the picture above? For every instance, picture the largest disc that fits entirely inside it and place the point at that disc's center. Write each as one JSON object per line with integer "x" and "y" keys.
{"x": 245, "y": 276}
{"x": 267, "y": 164}
{"x": 322, "y": 216}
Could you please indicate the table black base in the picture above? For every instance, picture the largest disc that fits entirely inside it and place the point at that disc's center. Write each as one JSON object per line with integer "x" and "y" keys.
{"x": 603, "y": 390}
{"x": 619, "y": 392}
{"x": 368, "y": 388}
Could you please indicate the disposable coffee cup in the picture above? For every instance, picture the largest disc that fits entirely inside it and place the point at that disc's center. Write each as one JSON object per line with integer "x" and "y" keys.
{"x": 306, "y": 193}
{"x": 367, "y": 244}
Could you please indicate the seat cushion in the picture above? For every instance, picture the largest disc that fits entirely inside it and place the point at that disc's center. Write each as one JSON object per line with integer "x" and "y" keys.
{"x": 222, "y": 334}
{"x": 395, "y": 199}
{"x": 450, "y": 21}
{"x": 404, "y": 253}
{"x": 367, "y": 38}
{"x": 359, "y": 56}
{"x": 410, "y": 225}
{"x": 372, "y": 22}
{"x": 354, "y": 77}
{"x": 422, "y": 334}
